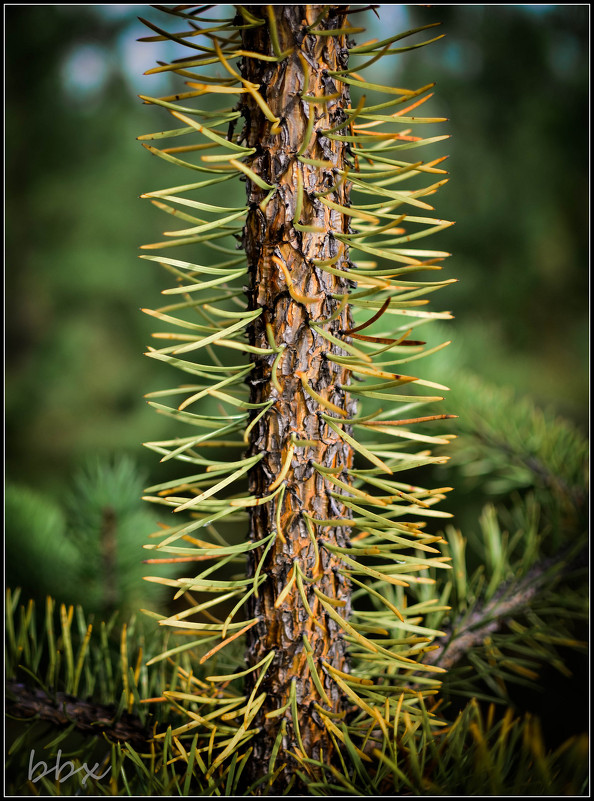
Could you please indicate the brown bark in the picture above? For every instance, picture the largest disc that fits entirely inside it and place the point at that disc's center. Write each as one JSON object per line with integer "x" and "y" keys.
{"x": 270, "y": 237}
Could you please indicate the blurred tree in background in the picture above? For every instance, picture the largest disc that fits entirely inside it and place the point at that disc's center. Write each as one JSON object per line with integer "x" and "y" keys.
{"x": 512, "y": 79}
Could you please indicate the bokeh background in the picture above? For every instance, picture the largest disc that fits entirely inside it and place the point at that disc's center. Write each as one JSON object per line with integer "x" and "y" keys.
{"x": 513, "y": 81}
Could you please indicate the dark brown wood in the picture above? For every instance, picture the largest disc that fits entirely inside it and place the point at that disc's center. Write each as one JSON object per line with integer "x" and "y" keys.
{"x": 63, "y": 710}
{"x": 270, "y": 238}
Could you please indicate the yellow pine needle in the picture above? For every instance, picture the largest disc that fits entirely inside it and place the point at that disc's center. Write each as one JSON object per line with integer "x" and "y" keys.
{"x": 81, "y": 657}
{"x": 371, "y": 711}
{"x": 188, "y": 148}
{"x": 180, "y": 96}
{"x": 230, "y": 676}
{"x": 285, "y": 468}
{"x": 332, "y": 260}
{"x": 402, "y": 135}
{"x": 252, "y": 54}
{"x": 221, "y": 90}
{"x": 221, "y": 157}
{"x": 357, "y": 446}
{"x": 181, "y": 749}
{"x": 194, "y": 541}
{"x": 264, "y": 203}
{"x": 324, "y": 164}
{"x": 519, "y": 669}
{"x": 322, "y": 99}
{"x": 250, "y": 18}
{"x": 332, "y": 601}
{"x": 390, "y": 605}
{"x": 354, "y": 490}
{"x": 307, "y": 135}
{"x": 299, "y": 200}
{"x": 293, "y": 696}
{"x": 316, "y": 396}
{"x": 301, "y": 590}
{"x": 347, "y": 29}
{"x": 317, "y": 679}
{"x": 124, "y": 659}
{"x": 251, "y": 88}
{"x": 351, "y": 212}
{"x": 364, "y": 357}
{"x": 306, "y": 70}
{"x": 270, "y": 337}
{"x": 203, "y": 129}
{"x": 362, "y": 280}
{"x": 336, "y": 731}
{"x": 430, "y": 165}
{"x": 277, "y": 712}
{"x": 410, "y": 421}
{"x": 314, "y": 542}
{"x": 226, "y": 64}
{"x": 297, "y": 296}
{"x": 279, "y": 505}
{"x": 335, "y": 715}
{"x": 246, "y": 433}
{"x": 245, "y": 502}
{"x": 374, "y": 371}
{"x": 175, "y": 559}
{"x": 250, "y": 174}
{"x": 304, "y": 443}
{"x": 404, "y": 111}
{"x": 348, "y": 676}
{"x": 336, "y": 314}
{"x": 273, "y": 378}
{"x": 300, "y": 576}
{"x": 227, "y": 641}
{"x": 280, "y": 54}
{"x": 287, "y": 589}
{"x": 309, "y": 229}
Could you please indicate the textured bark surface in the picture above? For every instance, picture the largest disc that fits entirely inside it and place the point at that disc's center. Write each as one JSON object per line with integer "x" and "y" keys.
{"x": 270, "y": 235}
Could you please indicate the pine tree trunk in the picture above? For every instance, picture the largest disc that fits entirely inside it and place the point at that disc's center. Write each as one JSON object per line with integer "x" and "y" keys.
{"x": 293, "y": 296}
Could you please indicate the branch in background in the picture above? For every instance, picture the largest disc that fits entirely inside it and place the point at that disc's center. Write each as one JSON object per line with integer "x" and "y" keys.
{"x": 576, "y": 495}
{"x": 62, "y": 709}
{"x": 469, "y": 631}
{"x": 499, "y": 429}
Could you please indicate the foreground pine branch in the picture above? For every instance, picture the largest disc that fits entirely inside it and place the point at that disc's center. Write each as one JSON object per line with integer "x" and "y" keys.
{"x": 336, "y": 286}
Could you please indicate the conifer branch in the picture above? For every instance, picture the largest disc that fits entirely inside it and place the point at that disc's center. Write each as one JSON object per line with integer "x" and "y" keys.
{"x": 469, "y": 630}
{"x": 61, "y": 709}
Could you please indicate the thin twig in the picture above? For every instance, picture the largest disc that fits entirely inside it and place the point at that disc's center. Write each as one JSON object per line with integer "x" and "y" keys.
{"x": 469, "y": 631}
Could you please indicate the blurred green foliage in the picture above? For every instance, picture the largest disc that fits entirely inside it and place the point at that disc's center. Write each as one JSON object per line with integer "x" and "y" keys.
{"x": 513, "y": 80}
{"x": 87, "y": 546}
